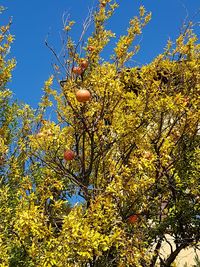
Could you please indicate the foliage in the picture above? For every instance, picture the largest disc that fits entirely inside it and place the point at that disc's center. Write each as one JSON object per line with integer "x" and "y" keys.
{"x": 136, "y": 145}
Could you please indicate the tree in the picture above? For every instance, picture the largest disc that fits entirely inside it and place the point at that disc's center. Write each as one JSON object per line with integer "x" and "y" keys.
{"x": 14, "y": 129}
{"x": 133, "y": 139}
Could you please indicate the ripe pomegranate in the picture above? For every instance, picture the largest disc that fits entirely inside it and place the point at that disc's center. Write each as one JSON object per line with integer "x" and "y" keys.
{"x": 69, "y": 155}
{"x": 133, "y": 218}
{"x": 77, "y": 70}
{"x": 83, "y": 95}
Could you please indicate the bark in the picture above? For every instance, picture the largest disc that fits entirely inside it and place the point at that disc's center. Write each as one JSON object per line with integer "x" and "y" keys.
{"x": 156, "y": 252}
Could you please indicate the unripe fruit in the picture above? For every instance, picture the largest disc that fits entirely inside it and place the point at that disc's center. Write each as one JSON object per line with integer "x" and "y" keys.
{"x": 69, "y": 155}
{"x": 90, "y": 48}
{"x": 83, "y": 95}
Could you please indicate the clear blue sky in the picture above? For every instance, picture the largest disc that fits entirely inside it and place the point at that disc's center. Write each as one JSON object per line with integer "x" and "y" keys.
{"x": 34, "y": 19}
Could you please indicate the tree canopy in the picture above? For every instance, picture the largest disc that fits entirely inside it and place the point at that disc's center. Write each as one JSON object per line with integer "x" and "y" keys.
{"x": 123, "y": 139}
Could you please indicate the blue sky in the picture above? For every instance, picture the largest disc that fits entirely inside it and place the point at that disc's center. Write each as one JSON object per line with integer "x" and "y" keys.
{"x": 33, "y": 20}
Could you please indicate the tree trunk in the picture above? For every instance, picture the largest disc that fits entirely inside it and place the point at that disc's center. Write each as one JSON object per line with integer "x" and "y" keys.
{"x": 156, "y": 252}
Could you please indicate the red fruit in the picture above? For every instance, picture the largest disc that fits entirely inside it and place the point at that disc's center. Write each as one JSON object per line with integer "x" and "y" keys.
{"x": 77, "y": 70}
{"x": 84, "y": 64}
{"x": 133, "y": 219}
{"x": 69, "y": 155}
{"x": 83, "y": 95}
